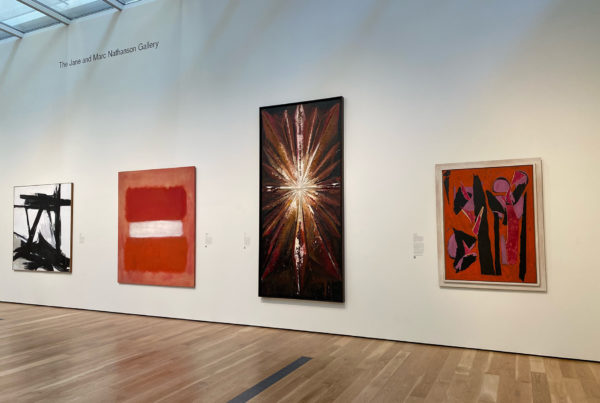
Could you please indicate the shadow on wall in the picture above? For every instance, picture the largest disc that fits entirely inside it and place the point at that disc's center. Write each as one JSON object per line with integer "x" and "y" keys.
{"x": 559, "y": 55}
{"x": 238, "y": 39}
{"x": 220, "y": 27}
{"x": 102, "y": 44}
{"x": 45, "y": 49}
{"x": 21, "y": 84}
{"x": 8, "y": 61}
{"x": 305, "y": 303}
{"x": 545, "y": 81}
{"x": 150, "y": 20}
{"x": 249, "y": 41}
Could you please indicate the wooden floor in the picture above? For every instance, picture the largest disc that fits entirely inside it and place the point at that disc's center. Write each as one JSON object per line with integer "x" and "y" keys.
{"x": 52, "y": 354}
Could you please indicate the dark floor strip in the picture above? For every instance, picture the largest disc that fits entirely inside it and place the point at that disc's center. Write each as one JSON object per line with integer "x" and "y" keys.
{"x": 265, "y": 383}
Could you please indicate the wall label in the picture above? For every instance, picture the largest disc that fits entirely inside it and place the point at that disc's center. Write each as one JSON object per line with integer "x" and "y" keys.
{"x": 115, "y": 52}
{"x": 418, "y": 245}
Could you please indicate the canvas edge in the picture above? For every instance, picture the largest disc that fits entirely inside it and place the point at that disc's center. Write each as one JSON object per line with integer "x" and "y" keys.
{"x": 71, "y": 232}
{"x": 194, "y": 234}
{"x": 342, "y": 129}
{"x": 540, "y": 238}
{"x": 121, "y": 176}
{"x": 125, "y": 173}
{"x": 71, "y": 238}
{"x": 339, "y": 98}
{"x": 541, "y": 285}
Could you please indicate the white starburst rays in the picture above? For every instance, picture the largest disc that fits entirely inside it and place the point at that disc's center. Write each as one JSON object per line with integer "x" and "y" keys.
{"x": 301, "y": 188}
{"x": 302, "y": 192}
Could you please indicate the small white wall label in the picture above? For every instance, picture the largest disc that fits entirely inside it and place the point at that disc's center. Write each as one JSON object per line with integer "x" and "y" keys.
{"x": 207, "y": 239}
{"x": 418, "y": 245}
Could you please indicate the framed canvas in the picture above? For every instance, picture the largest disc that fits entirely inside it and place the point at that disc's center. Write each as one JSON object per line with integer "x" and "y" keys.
{"x": 490, "y": 225}
{"x": 157, "y": 227}
{"x": 301, "y": 201}
{"x": 42, "y": 227}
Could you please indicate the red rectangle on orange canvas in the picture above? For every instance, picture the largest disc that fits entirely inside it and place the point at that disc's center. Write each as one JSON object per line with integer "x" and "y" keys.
{"x": 157, "y": 227}
{"x": 156, "y": 254}
{"x": 155, "y": 203}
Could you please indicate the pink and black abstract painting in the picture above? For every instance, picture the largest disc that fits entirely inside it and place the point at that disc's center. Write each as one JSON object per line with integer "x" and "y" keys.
{"x": 490, "y": 224}
{"x": 301, "y": 194}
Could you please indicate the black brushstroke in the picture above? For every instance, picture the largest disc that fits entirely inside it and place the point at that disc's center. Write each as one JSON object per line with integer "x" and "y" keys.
{"x": 447, "y": 184}
{"x": 497, "y": 245}
{"x": 495, "y": 205}
{"x": 41, "y": 201}
{"x": 27, "y": 218}
{"x": 34, "y": 227}
{"x": 483, "y": 238}
{"x": 498, "y": 210}
{"x": 459, "y": 201}
{"x": 467, "y": 261}
{"x": 523, "y": 246}
{"x": 520, "y": 189}
{"x": 57, "y": 223}
{"x": 504, "y": 219}
{"x": 463, "y": 239}
{"x": 41, "y": 254}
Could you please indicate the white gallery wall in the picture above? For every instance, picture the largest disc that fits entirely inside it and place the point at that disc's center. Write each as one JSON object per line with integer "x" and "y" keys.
{"x": 424, "y": 82}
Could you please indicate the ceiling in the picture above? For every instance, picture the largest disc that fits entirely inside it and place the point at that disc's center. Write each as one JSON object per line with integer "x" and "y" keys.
{"x": 19, "y": 17}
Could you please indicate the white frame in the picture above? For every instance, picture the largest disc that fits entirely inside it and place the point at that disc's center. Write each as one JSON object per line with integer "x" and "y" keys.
{"x": 536, "y": 163}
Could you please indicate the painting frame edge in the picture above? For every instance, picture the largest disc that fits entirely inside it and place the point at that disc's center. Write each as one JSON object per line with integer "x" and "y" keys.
{"x": 70, "y": 271}
{"x": 541, "y": 284}
{"x": 342, "y": 300}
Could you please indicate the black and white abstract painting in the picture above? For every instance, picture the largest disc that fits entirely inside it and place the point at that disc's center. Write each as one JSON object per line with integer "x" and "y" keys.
{"x": 42, "y": 227}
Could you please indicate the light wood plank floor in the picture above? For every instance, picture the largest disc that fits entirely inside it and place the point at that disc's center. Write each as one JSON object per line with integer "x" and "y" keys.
{"x": 53, "y": 354}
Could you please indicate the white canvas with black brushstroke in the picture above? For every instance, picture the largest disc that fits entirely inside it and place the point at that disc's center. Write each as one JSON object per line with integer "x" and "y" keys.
{"x": 42, "y": 227}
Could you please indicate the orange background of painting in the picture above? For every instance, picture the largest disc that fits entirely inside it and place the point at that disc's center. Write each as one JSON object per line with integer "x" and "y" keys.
{"x": 170, "y": 177}
{"x": 510, "y": 273}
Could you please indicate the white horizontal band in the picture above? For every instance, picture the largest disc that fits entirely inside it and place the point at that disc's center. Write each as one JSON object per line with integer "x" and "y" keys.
{"x": 155, "y": 229}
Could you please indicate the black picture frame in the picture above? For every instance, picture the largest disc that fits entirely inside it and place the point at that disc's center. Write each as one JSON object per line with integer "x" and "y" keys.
{"x": 301, "y": 220}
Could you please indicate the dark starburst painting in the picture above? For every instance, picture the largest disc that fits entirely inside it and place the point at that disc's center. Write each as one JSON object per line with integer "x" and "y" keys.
{"x": 301, "y": 194}
{"x": 42, "y": 228}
